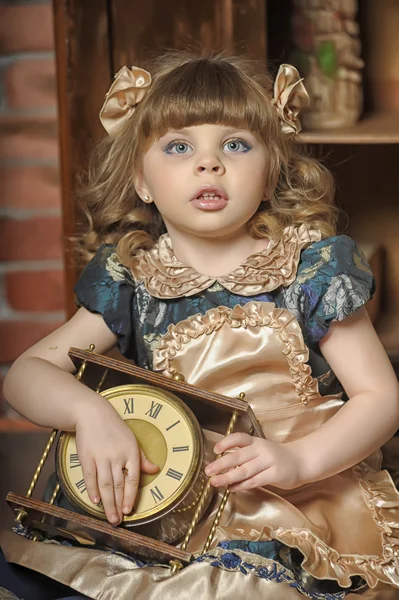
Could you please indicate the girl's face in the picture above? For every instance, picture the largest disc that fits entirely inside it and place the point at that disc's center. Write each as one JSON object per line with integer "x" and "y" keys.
{"x": 207, "y": 180}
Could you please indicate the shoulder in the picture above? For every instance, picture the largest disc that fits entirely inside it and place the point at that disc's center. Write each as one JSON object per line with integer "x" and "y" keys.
{"x": 105, "y": 264}
{"x": 336, "y": 253}
{"x": 333, "y": 262}
{"x": 333, "y": 281}
{"x": 106, "y": 287}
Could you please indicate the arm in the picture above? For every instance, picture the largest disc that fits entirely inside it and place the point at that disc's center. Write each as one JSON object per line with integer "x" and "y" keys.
{"x": 371, "y": 415}
{"x": 362, "y": 425}
{"x": 53, "y": 397}
{"x": 41, "y": 386}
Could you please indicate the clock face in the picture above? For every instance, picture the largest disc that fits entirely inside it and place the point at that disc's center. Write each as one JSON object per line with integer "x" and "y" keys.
{"x": 169, "y": 435}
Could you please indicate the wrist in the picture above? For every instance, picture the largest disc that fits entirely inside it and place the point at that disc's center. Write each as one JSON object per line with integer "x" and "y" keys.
{"x": 306, "y": 457}
{"x": 89, "y": 407}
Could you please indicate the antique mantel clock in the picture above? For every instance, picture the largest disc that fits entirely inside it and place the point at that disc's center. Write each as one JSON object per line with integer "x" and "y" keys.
{"x": 171, "y": 437}
{"x": 166, "y": 415}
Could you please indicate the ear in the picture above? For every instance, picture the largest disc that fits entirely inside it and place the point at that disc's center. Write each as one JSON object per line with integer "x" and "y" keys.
{"x": 140, "y": 185}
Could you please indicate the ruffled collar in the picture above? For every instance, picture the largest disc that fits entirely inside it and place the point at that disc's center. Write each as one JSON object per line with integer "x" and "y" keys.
{"x": 164, "y": 276}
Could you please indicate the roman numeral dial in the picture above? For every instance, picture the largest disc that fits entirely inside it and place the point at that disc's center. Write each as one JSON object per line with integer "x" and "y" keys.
{"x": 170, "y": 437}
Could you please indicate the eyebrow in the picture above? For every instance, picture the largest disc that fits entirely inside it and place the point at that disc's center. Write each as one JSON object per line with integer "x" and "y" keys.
{"x": 185, "y": 130}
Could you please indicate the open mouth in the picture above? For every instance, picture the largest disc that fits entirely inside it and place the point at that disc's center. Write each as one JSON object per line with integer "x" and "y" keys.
{"x": 206, "y": 200}
{"x": 208, "y": 196}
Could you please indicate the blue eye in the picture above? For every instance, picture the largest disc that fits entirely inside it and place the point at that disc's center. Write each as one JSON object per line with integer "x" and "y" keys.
{"x": 177, "y": 148}
{"x": 237, "y": 146}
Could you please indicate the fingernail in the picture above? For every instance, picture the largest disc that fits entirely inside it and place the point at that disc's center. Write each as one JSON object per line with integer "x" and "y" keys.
{"x": 126, "y": 510}
{"x": 208, "y": 471}
{"x": 114, "y": 519}
{"x": 96, "y": 500}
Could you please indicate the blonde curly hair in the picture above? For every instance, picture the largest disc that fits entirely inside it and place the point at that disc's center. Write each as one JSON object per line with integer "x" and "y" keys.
{"x": 189, "y": 90}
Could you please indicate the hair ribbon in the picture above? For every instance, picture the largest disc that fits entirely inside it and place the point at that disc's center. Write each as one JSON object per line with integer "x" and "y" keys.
{"x": 126, "y": 91}
{"x": 289, "y": 97}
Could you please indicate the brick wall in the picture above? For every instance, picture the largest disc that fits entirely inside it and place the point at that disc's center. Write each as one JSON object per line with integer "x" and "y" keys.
{"x": 31, "y": 268}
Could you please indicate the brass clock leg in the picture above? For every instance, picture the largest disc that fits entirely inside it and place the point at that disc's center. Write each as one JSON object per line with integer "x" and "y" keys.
{"x": 176, "y": 565}
{"x": 83, "y": 366}
{"x": 203, "y": 498}
{"x": 216, "y": 521}
{"x": 101, "y": 382}
{"x": 54, "y": 494}
{"x": 198, "y": 512}
{"x": 22, "y": 513}
{"x": 41, "y": 463}
{"x": 226, "y": 493}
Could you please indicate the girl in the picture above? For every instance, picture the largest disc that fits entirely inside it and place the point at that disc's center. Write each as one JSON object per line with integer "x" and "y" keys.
{"x": 212, "y": 237}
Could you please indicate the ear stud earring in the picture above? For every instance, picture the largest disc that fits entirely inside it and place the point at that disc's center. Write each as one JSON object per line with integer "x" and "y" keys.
{"x": 147, "y": 200}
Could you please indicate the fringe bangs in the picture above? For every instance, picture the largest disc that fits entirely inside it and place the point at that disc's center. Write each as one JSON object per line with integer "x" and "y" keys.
{"x": 205, "y": 91}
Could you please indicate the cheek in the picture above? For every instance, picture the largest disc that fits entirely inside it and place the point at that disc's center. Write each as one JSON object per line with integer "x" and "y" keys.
{"x": 256, "y": 168}
{"x": 255, "y": 179}
{"x": 160, "y": 176}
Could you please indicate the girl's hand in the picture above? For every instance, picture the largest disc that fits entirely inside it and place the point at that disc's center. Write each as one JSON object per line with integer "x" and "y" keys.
{"x": 255, "y": 462}
{"x": 111, "y": 460}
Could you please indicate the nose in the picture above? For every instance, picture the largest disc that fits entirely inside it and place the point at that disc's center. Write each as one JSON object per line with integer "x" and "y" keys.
{"x": 210, "y": 164}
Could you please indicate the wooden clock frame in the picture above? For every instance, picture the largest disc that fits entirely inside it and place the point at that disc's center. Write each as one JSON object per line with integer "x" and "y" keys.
{"x": 45, "y": 519}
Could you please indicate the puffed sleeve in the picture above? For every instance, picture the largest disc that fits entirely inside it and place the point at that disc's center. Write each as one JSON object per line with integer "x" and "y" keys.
{"x": 107, "y": 287}
{"x": 334, "y": 280}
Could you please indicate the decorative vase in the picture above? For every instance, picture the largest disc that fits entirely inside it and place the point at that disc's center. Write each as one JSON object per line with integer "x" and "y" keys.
{"x": 327, "y": 54}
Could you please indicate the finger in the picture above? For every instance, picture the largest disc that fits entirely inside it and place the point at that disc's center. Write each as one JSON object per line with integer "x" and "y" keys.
{"x": 90, "y": 477}
{"x": 237, "y": 475}
{"x": 259, "y": 480}
{"x": 146, "y": 465}
{"x": 131, "y": 486}
{"x": 106, "y": 487}
{"x": 232, "y": 441}
{"x": 231, "y": 460}
{"x": 119, "y": 486}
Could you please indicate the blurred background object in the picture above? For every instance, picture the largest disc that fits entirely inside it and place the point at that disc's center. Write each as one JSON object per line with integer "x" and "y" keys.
{"x": 327, "y": 52}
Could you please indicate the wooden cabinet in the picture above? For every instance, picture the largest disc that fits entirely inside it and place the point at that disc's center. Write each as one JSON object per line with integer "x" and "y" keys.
{"x": 95, "y": 39}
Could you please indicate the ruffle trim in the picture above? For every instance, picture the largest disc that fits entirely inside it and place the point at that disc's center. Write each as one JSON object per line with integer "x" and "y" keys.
{"x": 324, "y": 562}
{"x": 166, "y": 277}
{"x": 253, "y": 314}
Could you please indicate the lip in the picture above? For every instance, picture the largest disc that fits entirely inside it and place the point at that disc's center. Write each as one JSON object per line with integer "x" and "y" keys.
{"x": 210, "y": 189}
{"x": 208, "y": 204}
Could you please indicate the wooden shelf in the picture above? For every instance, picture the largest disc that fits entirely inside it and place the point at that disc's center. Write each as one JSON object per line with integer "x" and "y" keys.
{"x": 379, "y": 128}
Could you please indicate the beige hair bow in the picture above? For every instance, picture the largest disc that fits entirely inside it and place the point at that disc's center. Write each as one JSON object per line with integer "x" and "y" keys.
{"x": 124, "y": 94}
{"x": 290, "y": 96}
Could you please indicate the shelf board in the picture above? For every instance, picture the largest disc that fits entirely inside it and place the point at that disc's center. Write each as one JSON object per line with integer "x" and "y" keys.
{"x": 379, "y": 128}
